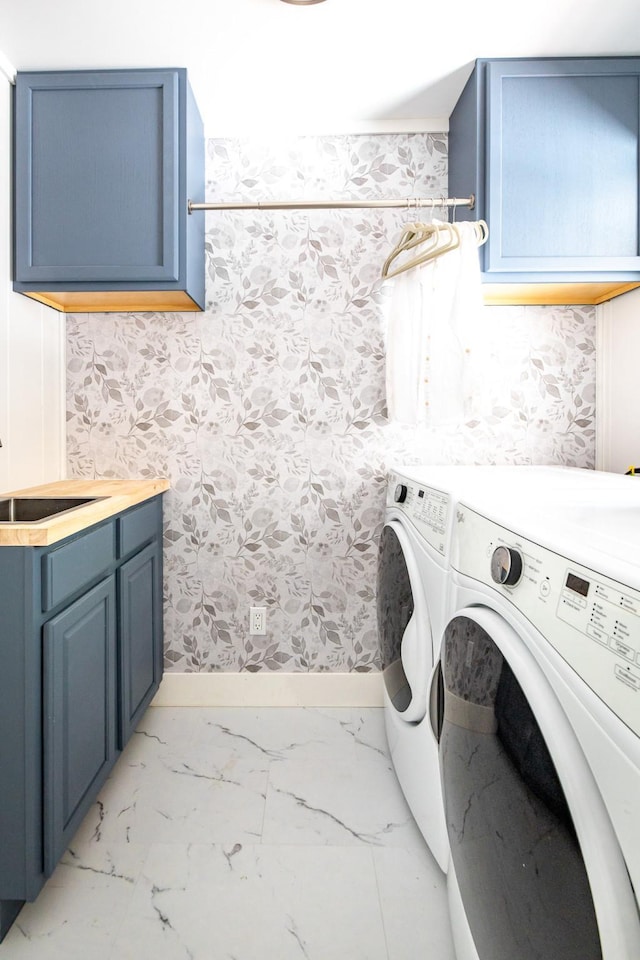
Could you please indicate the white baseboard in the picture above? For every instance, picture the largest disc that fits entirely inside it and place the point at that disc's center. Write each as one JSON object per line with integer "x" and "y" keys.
{"x": 270, "y": 690}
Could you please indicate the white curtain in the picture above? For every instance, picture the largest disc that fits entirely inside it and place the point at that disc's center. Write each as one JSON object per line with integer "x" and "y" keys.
{"x": 432, "y": 325}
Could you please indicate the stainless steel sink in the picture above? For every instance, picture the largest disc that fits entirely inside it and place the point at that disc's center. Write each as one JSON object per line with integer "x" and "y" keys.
{"x": 33, "y": 509}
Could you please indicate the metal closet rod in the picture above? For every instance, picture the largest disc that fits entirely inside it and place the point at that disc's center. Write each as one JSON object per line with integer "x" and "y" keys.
{"x": 409, "y": 203}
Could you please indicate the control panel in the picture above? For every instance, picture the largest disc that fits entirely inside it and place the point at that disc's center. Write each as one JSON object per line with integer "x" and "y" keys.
{"x": 592, "y": 621}
{"x": 426, "y": 507}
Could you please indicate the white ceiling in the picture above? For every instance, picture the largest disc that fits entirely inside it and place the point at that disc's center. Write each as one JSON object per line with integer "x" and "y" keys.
{"x": 339, "y": 66}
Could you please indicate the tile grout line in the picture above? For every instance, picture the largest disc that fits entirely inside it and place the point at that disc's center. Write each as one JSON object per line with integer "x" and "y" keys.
{"x": 380, "y": 905}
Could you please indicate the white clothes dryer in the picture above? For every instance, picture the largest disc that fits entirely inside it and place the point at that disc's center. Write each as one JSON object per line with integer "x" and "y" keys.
{"x": 539, "y": 720}
{"x": 413, "y": 603}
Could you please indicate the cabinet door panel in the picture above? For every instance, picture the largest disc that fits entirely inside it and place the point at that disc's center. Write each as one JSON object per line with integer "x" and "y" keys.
{"x": 79, "y": 657}
{"x": 106, "y": 209}
{"x": 563, "y": 142}
{"x": 140, "y": 636}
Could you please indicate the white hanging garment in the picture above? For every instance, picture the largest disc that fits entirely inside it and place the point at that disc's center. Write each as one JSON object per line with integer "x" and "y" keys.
{"x": 404, "y": 349}
{"x": 433, "y": 319}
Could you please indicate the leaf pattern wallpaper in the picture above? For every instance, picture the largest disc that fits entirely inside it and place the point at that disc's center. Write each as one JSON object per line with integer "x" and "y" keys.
{"x": 267, "y": 411}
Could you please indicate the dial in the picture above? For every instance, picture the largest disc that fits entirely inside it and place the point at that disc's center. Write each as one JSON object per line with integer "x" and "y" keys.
{"x": 506, "y": 566}
{"x": 400, "y": 493}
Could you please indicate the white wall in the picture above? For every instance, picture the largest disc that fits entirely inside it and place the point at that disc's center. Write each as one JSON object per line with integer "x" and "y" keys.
{"x": 618, "y": 382}
{"x": 32, "y": 354}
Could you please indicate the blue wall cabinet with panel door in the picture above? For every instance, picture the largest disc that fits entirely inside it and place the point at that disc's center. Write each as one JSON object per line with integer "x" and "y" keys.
{"x": 105, "y": 164}
{"x": 550, "y": 149}
{"x": 81, "y": 655}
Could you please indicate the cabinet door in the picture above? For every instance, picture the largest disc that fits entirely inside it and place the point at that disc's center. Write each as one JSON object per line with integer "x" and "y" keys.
{"x": 97, "y": 176}
{"x": 562, "y": 161}
{"x": 140, "y": 621}
{"x": 79, "y": 721}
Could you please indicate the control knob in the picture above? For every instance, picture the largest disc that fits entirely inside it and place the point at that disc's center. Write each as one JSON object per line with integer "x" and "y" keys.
{"x": 400, "y": 493}
{"x": 506, "y": 566}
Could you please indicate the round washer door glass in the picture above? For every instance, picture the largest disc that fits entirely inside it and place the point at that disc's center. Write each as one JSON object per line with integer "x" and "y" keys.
{"x": 404, "y": 629}
{"x": 518, "y": 863}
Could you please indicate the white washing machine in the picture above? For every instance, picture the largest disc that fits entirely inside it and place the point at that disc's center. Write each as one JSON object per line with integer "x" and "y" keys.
{"x": 413, "y": 601}
{"x": 539, "y": 722}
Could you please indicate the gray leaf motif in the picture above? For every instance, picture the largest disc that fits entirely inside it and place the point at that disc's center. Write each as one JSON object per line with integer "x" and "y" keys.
{"x": 269, "y": 416}
{"x": 274, "y": 397}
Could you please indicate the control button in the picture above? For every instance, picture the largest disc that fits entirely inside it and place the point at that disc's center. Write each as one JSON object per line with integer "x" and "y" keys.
{"x": 627, "y": 676}
{"x": 545, "y": 588}
{"x": 506, "y": 566}
{"x": 597, "y": 634}
{"x": 400, "y": 493}
{"x": 623, "y": 649}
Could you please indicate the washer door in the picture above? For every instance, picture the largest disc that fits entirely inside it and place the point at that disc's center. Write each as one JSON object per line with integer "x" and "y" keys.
{"x": 404, "y": 628}
{"x": 540, "y": 873}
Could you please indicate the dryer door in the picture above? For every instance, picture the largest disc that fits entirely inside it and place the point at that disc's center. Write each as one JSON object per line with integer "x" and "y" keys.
{"x": 539, "y": 871}
{"x": 404, "y": 628}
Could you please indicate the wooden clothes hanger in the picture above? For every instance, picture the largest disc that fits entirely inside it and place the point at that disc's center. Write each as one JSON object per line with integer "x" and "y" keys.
{"x": 438, "y": 238}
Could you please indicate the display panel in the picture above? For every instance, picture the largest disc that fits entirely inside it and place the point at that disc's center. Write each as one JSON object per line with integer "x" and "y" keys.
{"x": 577, "y": 584}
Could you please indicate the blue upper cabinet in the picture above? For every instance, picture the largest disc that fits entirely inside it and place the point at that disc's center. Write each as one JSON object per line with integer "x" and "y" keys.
{"x": 105, "y": 164}
{"x": 550, "y": 148}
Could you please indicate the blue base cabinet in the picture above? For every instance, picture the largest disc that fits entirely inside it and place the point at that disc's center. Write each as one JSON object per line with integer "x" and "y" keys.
{"x": 79, "y": 706}
{"x": 81, "y": 653}
{"x": 140, "y": 593}
{"x": 106, "y": 162}
{"x": 549, "y": 147}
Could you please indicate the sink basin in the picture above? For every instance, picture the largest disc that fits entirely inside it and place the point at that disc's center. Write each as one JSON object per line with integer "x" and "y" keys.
{"x": 33, "y": 509}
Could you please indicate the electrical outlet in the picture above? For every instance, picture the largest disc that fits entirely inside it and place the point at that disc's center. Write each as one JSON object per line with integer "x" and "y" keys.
{"x": 258, "y": 621}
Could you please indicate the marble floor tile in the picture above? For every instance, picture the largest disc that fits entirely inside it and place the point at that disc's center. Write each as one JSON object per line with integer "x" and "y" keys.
{"x": 100, "y": 865}
{"x": 258, "y": 735}
{"x": 337, "y": 802}
{"x": 244, "y": 834}
{"x": 188, "y": 794}
{"x": 413, "y": 899}
{"x": 80, "y": 909}
{"x": 201, "y": 901}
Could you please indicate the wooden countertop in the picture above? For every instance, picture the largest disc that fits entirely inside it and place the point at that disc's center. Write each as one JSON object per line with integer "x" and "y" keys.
{"x": 120, "y": 494}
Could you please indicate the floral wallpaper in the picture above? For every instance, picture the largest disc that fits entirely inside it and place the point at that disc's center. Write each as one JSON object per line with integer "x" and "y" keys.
{"x": 267, "y": 411}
